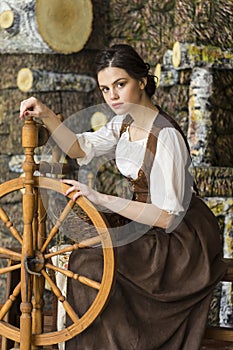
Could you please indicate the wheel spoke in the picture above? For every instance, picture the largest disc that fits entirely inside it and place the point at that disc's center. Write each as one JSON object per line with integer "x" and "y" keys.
{"x": 8, "y": 304}
{"x": 71, "y": 248}
{"x": 88, "y": 282}
{"x": 84, "y": 280}
{"x": 9, "y": 268}
{"x": 72, "y": 314}
{"x": 9, "y": 254}
{"x": 89, "y": 242}
{"x": 4, "y": 217}
{"x": 59, "y": 222}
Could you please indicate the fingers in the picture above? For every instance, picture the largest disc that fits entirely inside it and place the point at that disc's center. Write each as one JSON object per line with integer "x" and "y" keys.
{"x": 69, "y": 181}
{"x": 27, "y": 108}
{"x": 74, "y": 187}
{"x": 76, "y": 195}
{"x": 78, "y": 189}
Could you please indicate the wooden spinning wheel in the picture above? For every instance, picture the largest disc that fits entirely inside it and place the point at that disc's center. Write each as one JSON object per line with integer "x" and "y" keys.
{"x": 33, "y": 256}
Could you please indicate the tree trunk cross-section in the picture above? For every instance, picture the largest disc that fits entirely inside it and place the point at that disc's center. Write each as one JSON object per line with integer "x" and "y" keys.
{"x": 41, "y": 26}
{"x": 64, "y": 24}
{"x": 6, "y": 19}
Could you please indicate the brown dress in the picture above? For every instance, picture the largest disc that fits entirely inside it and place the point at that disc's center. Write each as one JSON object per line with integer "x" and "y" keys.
{"x": 164, "y": 281}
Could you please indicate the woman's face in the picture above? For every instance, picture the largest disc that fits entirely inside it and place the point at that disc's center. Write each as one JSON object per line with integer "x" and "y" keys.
{"x": 119, "y": 90}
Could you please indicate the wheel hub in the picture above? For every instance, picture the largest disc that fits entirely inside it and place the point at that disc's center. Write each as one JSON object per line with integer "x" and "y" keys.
{"x": 36, "y": 264}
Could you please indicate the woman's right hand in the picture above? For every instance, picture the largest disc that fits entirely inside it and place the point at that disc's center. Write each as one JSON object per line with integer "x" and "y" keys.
{"x": 32, "y": 107}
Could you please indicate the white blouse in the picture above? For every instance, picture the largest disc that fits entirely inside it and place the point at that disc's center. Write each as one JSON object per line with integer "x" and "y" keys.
{"x": 167, "y": 178}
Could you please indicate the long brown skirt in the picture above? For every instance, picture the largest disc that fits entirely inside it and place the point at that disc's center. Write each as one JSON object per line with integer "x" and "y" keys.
{"x": 163, "y": 288}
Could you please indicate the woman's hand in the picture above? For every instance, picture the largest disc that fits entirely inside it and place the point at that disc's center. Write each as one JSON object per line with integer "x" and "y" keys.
{"x": 63, "y": 136}
{"x": 81, "y": 189}
{"x": 34, "y": 108}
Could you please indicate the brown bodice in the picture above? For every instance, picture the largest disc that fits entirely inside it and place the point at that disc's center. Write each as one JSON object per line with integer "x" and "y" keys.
{"x": 140, "y": 187}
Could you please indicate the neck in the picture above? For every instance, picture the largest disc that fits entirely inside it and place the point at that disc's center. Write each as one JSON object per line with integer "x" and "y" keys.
{"x": 143, "y": 118}
{"x": 144, "y": 115}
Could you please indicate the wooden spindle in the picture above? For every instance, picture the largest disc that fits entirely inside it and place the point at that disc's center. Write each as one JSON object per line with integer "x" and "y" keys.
{"x": 29, "y": 143}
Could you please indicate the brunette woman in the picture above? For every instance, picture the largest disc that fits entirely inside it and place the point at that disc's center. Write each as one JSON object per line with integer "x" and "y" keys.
{"x": 167, "y": 239}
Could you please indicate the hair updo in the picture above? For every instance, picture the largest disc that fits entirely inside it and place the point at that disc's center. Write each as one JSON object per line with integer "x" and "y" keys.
{"x": 125, "y": 57}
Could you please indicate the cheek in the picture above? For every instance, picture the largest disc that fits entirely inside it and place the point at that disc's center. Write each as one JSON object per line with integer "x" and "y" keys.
{"x": 107, "y": 100}
{"x": 133, "y": 96}
{"x": 105, "y": 97}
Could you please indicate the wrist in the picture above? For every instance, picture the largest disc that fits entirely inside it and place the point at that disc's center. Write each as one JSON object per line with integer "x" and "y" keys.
{"x": 48, "y": 114}
{"x": 101, "y": 199}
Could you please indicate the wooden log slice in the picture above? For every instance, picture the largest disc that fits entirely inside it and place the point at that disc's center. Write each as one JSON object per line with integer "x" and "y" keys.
{"x": 98, "y": 119}
{"x": 25, "y": 79}
{"x": 6, "y": 19}
{"x": 176, "y": 56}
{"x": 157, "y": 74}
{"x": 65, "y": 25}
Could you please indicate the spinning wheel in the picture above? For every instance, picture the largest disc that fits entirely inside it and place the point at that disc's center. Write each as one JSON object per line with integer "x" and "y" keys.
{"x": 33, "y": 256}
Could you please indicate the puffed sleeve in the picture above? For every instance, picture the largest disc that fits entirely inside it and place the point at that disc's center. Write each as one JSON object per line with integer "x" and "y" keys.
{"x": 168, "y": 179}
{"x": 100, "y": 142}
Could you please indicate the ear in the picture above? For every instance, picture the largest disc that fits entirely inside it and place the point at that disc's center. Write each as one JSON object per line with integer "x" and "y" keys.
{"x": 142, "y": 83}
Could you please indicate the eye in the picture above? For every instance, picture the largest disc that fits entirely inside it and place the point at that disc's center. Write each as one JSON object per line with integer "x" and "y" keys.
{"x": 121, "y": 84}
{"x": 104, "y": 90}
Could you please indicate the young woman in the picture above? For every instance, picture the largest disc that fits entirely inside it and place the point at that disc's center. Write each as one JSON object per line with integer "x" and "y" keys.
{"x": 168, "y": 245}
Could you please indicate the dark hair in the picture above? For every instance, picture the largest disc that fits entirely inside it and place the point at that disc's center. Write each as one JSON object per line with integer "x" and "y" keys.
{"x": 125, "y": 57}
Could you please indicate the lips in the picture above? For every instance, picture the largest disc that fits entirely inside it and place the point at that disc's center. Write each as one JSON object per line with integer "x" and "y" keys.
{"x": 116, "y": 105}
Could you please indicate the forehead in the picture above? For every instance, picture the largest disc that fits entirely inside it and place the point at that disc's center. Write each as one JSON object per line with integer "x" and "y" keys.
{"x": 110, "y": 75}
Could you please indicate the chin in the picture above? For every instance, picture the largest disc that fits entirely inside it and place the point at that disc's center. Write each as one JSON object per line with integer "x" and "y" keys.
{"x": 124, "y": 109}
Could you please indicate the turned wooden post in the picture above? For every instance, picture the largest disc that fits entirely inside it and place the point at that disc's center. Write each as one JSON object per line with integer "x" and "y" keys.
{"x": 29, "y": 142}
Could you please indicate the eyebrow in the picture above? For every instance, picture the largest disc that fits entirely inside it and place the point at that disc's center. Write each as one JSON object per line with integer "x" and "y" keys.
{"x": 113, "y": 82}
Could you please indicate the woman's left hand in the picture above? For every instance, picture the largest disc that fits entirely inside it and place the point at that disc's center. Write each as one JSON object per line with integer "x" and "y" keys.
{"x": 81, "y": 189}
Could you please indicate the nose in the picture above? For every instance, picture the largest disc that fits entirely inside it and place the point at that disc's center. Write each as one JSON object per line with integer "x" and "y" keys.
{"x": 113, "y": 94}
